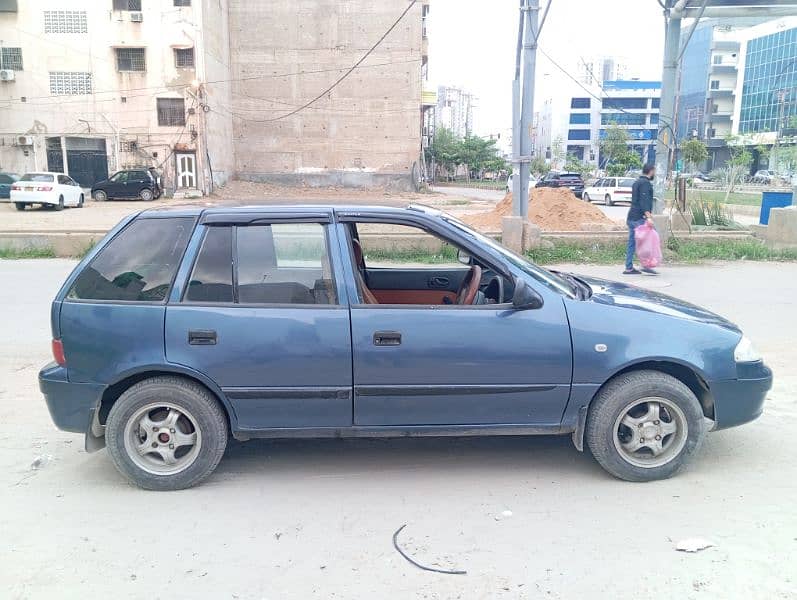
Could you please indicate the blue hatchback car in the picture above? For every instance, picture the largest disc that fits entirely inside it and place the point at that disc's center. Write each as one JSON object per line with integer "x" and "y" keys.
{"x": 183, "y": 327}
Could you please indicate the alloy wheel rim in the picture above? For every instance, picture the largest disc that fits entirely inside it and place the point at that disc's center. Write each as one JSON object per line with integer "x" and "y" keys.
{"x": 162, "y": 438}
{"x": 650, "y": 432}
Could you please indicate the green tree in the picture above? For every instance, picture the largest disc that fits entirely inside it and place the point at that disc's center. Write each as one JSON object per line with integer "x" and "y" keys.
{"x": 478, "y": 153}
{"x": 446, "y": 150}
{"x": 539, "y": 166}
{"x": 624, "y": 162}
{"x": 574, "y": 165}
{"x": 734, "y": 171}
{"x": 614, "y": 144}
{"x": 694, "y": 152}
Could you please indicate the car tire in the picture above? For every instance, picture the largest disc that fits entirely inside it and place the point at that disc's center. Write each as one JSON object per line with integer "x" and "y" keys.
{"x": 146, "y": 195}
{"x": 20, "y": 205}
{"x": 585, "y": 197}
{"x": 625, "y": 408}
{"x": 80, "y": 201}
{"x": 100, "y": 196}
{"x": 60, "y": 205}
{"x": 200, "y": 415}
{"x": 607, "y": 200}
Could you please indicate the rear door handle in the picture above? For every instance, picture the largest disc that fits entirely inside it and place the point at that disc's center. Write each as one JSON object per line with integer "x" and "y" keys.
{"x": 387, "y": 338}
{"x": 438, "y": 282}
{"x": 201, "y": 337}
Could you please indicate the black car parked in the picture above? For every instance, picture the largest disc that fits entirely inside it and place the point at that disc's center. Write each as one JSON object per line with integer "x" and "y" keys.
{"x": 573, "y": 181}
{"x": 131, "y": 183}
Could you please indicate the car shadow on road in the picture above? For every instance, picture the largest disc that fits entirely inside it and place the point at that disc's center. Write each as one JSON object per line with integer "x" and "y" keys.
{"x": 470, "y": 456}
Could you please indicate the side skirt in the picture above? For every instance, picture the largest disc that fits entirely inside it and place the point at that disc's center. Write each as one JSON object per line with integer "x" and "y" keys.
{"x": 400, "y": 431}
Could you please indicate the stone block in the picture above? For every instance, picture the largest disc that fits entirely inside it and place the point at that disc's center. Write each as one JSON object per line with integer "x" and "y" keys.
{"x": 782, "y": 230}
{"x": 681, "y": 221}
{"x": 532, "y": 236}
{"x": 512, "y": 233}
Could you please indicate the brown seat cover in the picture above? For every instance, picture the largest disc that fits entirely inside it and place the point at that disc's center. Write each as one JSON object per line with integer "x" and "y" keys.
{"x": 368, "y": 296}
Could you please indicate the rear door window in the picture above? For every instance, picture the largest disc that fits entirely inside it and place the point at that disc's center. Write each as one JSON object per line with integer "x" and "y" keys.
{"x": 211, "y": 280}
{"x": 284, "y": 263}
{"x": 138, "y": 264}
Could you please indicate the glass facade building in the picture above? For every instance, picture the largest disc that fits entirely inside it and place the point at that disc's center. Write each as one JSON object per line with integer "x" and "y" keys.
{"x": 769, "y": 91}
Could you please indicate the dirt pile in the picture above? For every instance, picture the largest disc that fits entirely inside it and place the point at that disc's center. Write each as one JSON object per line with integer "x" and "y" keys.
{"x": 551, "y": 209}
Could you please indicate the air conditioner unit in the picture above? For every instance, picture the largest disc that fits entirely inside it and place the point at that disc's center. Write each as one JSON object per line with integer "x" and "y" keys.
{"x": 136, "y": 17}
{"x": 7, "y": 75}
{"x": 25, "y": 140}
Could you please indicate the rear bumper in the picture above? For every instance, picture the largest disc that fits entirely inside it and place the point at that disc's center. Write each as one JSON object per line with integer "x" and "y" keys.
{"x": 739, "y": 401}
{"x": 34, "y": 197}
{"x": 70, "y": 404}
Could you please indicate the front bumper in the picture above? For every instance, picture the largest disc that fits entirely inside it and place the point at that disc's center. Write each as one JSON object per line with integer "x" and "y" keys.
{"x": 70, "y": 404}
{"x": 741, "y": 400}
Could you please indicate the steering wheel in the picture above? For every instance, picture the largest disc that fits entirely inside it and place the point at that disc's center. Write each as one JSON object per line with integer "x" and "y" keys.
{"x": 466, "y": 293}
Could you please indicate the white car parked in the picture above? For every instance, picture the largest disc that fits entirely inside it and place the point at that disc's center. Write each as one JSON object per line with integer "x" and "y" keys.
{"x": 53, "y": 190}
{"x": 610, "y": 190}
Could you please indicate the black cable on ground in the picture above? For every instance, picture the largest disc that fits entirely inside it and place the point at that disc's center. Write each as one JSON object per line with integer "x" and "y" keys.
{"x": 416, "y": 564}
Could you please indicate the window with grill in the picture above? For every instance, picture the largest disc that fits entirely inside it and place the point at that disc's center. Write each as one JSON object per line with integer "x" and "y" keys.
{"x": 67, "y": 83}
{"x": 171, "y": 111}
{"x": 182, "y": 2}
{"x": 12, "y": 59}
{"x": 65, "y": 21}
{"x": 184, "y": 57}
{"x": 130, "y": 59}
{"x": 127, "y": 4}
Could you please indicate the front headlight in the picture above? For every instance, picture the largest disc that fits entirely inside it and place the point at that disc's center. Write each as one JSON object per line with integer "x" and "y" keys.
{"x": 745, "y": 351}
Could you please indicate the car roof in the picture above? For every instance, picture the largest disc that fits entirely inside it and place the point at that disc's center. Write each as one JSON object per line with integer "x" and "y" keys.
{"x": 44, "y": 173}
{"x": 288, "y": 209}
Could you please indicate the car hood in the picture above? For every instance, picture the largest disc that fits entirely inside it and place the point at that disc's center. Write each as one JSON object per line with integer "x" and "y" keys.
{"x": 636, "y": 298}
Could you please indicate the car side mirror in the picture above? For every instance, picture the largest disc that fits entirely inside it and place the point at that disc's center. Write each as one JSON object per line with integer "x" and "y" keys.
{"x": 525, "y": 298}
{"x": 463, "y": 257}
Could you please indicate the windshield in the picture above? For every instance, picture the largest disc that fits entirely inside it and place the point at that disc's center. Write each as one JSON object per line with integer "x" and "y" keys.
{"x": 36, "y": 177}
{"x": 550, "y": 280}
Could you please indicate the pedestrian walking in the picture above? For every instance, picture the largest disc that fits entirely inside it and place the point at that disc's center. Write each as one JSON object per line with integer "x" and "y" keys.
{"x": 641, "y": 210}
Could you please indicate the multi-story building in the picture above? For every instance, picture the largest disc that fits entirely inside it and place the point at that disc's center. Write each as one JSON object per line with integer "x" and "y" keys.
{"x": 594, "y": 70}
{"x": 206, "y": 90}
{"x": 576, "y": 125}
{"x": 455, "y": 110}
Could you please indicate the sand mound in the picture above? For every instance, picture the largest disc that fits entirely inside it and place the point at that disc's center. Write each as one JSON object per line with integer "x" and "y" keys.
{"x": 551, "y": 209}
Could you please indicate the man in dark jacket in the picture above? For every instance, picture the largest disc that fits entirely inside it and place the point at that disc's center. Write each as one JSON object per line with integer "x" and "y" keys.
{"x": 641, "y": 210}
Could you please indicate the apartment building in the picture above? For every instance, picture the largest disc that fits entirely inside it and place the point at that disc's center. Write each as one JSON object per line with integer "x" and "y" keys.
{"x": 206, "y": 90}
{"x": 455, "y": 110}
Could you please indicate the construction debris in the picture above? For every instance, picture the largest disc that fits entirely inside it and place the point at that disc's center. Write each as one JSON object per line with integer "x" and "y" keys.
{"x": 551, "y": 209}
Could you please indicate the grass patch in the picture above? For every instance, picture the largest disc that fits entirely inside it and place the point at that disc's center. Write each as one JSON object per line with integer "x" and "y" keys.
{"x": 476, "y": 184}
{"x": 29, "y": 252}
{"x": 692, "y": 251}
{"x": 709, "y": 196}
{"x": 604, "y": 253}
{"x": 446, "y": 255}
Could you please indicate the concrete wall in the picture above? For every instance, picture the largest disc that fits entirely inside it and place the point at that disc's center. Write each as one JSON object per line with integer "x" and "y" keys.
{"x": 365, "y": 132}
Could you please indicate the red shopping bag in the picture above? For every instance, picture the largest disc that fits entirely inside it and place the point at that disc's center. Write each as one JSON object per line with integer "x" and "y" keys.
{"x": 648, "y": 245}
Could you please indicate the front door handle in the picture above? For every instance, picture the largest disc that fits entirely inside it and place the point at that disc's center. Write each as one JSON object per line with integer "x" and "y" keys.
{"x": 387, "y": 338}
{"x": 439, "y": 282}
{"x": 202, "y": 337}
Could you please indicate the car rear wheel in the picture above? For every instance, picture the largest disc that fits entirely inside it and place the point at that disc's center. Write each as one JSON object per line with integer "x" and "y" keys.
{"x": 100, "y": 196}
{"x": 166, "y": 433}
{"x": 585, "y": 197}
{"x": 146, "y": 194}
{"x": 607, "y": 200}
{"x": 20, "y": 205}
{"x": 644, "y": 426}
{"x": 60, "y": 205}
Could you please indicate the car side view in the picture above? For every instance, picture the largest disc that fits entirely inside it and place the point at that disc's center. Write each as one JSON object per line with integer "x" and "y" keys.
{"x": 142, "y": 183}
{"x": 184, "y": 327}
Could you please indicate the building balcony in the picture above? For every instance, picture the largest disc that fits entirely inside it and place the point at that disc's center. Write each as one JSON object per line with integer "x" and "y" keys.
{"x": 725, "y": 65}
{"x": 722, "y": 114}
{"x": 721, "y": 91}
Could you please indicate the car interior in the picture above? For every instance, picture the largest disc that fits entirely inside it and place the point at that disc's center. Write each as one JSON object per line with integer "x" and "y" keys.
{"x": 400, "y": 279}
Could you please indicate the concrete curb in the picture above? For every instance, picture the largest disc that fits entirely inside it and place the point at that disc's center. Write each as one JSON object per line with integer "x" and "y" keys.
{"x": 66, "y": 244}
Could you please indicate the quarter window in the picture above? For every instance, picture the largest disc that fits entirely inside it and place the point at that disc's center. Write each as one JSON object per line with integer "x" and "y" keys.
{"x": 138, "y": 264}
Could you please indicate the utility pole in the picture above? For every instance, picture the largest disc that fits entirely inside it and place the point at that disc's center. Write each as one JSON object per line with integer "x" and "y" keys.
{"x": 529, "y": 27}
{"x": 669, "y": 77}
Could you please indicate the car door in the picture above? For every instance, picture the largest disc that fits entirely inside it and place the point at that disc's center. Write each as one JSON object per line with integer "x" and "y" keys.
{"x": 136, "y": 181}
{"x": 74, "y": 191}
{"x": 259, "y": 312}
{"x": 611, "y": 184}
{"x": 422, "y": 365}
{"x": 116, "y": 185}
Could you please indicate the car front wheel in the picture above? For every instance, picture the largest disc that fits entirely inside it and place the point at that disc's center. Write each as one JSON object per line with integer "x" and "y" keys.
{"x": 166, "y": 433}
{"x": 585, "y": 197}
{"x": 644, "y": 426}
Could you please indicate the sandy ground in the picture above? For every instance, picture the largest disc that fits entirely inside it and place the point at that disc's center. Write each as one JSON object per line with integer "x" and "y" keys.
{"x": 314, "y": 519}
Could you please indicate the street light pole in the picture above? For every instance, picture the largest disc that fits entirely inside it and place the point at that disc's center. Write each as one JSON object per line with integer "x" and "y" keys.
{"x": 666, "y": 137}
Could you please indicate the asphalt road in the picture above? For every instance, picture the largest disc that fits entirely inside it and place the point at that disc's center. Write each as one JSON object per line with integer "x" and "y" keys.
{"x": 314, "y": 519}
